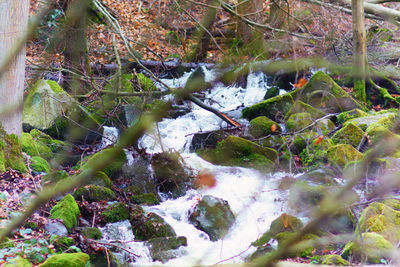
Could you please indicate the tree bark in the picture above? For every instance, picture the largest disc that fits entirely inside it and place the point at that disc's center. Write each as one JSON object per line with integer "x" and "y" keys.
{"x": 14, "y": 14}
{"x": 359, "y": 49}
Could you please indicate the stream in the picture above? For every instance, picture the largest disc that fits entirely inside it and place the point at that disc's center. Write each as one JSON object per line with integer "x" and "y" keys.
{"x": 252, "y": 195}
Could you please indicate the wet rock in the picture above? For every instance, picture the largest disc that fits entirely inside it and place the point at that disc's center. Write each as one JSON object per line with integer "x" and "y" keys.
{"x": 298, "y": 121}
{"x": 284, "y": 223}
{"x": 145, "y": 199}
{"x": 207, "y": 140}
{"x": 320, "y": 176}
{"x": 213, "y": 216}
{"x": 56, "y": 228}
{"x": 272, "y": 92}
{"x": 162, "y": 249}
{"x": 169, "y": 174}
{"x": 148, "y": 226}
{"x": 374, "y": 247}
{"x": 274, "y": 108}
{"x": 140, "y": 176}
{"x": 303, "y": 196}
{"x": 101, "y": 258}
{"x": 324, "y": 127}
{"x": 262, "y": 126}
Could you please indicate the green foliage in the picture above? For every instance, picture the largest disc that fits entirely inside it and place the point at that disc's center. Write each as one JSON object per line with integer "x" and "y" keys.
{"x": 116, "y": 212}
{"x": 67, "y": 210}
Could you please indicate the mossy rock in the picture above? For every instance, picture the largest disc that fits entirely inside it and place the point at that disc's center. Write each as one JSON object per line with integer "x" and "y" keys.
{"x": 45, "y": 104}
{"x": 45, "y": 139}
{"x": 340, "y": 155}
{"x": 54, "y": 177}
{"x": 323, "y": 93}
{"x": 134, "y": 190}
{"x": 320, "y": 176}
{"x": 334, "y": 259}
{"x": 34, "y": 147}
{"x": 91, "y": 232}
{"x": 115, "y": 213}
{"x": 274, "y": 141}
{"x": 63, "y": 243}
{"x": 271, "y": 92}
{"x": 94, "y": 193}
{"x": 351, "y": 114}
{"x": 114, "y": 167}
{"x": 169, "y": 173}
{"x": 284, "y": 223}
{"x": 375, "y": 168}
{"x": 262, "y": 126}
{"x": 374, "y": 247}
{"x": 145, "y": 199}
{"x": 39, "y": 165}
{"x": 213, "y": 216}
{"x": 67, "y": 260}
{"x": 274, "y": 108}
{"x": 66, "y": 210}
{"x": 284, "y": 237}
{"x": 161, "y": 249}
{"x": 315, "y": 154}
{"x": 236, "y": 151}
{"x": 298, "y": 121}
{"x": 301, "y": 107}
{"x": 301, "y": 141}
{"x": 349, "y": 134}
{"x": 381, "y": 219}
{"x": 101, "y": 179}
{"x": 100, "y": 257}
{"x": 11, "y": 152}
{"x": 17, "y": 262}
{"x": 380, "y": 134}
{"x": 149, "y": 226}
{"x": 324, "y": 126}
{"x": 377, "y": 119}
{"x": 304, "y": 196}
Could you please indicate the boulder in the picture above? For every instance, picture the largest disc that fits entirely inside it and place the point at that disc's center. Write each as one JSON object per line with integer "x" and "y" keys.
{"x": 66, "y": 210}
{"x": 298, "y": 121}
{"x": 274, "y": 108}
{"x": 115, "y": 213}
{"x": 34, "y": 147}
{"x": 349, "y": 115}
{"x": 91, "y": 232}
{"x": 349, "y": 134}
{"x": 94, "y": 193}
{"x": 145, "y": 199}
{"x": 39, "y": 165}
{"x": 324, "y": 127}
{"x": 213, "y": 216}
{"x": 67, "y": 260}
{"x": 342, "y": 154}
{"x": 163, "y": 248}
{"x": 301, "y": 107}
{"x": 113, "y": 169}
{"x": 262, "y": 126}
{"x": 382, "y": 118}
{"x": 45, "y": 104}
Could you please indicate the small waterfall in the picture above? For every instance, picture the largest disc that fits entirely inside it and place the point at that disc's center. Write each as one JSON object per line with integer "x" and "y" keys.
{"x": 252, "y": 195}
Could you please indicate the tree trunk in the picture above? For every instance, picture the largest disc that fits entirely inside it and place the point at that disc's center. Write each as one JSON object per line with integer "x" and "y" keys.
{"x": 252, "y": 10}
{"x": 14, "y": 14}
{"x": 359, "y": 49}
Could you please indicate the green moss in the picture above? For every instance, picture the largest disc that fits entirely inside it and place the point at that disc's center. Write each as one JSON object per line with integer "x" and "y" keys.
{"x": 39, "y": 164}
{"x": 272, "y": 108}
{"x": 114, "y": 168}
{"x": 54, "y": 86}
{"x": 340, "y": 155}
{"x": 374, "y": 247}
{"x": 145, "y": 82}
{"x": 101, "y": 179}
{"x": 35, "y": 147}
{"x": 274, "y": 141}
{"x": 305, "y": 251}
{"x": 67, "y": 260}
{"x": 91, "y": 232}
{"x": 381, "y": 219}
{"x": 324, "y": 127}
{"x": 54, "y": 144}
{"x": 262, "y": 126}
{"x": 284, "y": 223}
{"x": 301, "y": 107}
{"x": 349, "y": 134}
{"x": 94, "y": 193}
{"x": 67, "y": 210}
{"x": 63, "y": 243}
{"x": 303, "y": 196}
{"x": 12, "y": 151}
{"x": 334, "y": 259}
{"x": 146, "y": 199}
{"x": 298, "y": 121}
{"x": 17, "y": 262}
{"x": 134, "y": 190}
{"x": 348, "y": 115}
{"x": 116, "y": 212}
{"x": 315, "y": 154}
{"x": 150, "y": 226}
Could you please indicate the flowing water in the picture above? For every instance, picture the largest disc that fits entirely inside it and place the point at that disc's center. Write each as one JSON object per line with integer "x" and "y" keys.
{"x": 252, "y": 195}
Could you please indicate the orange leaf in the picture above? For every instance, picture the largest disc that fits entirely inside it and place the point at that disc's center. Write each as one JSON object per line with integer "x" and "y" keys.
{"x": 318, "y": 140}
{"x": 285, "y": 220}
{"x": 273, "y": 128}
{"x": 300, "y": 83}
{"x": 205, "y": 179}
